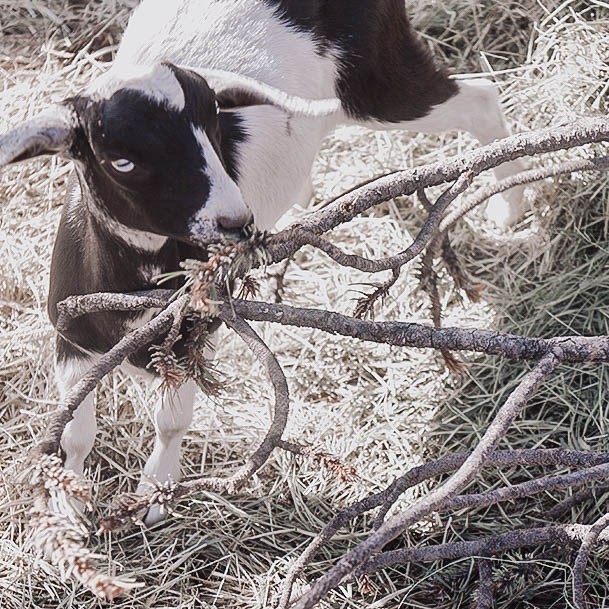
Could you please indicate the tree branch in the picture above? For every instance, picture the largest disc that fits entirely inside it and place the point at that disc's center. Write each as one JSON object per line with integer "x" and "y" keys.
{"x": 404, "y": 183}
{"x": 437, "y": 498}
{"x": 582, "y": 559}
{"x": 386, "y": 499}
{"x": 403, "y": 334}
{"x": 598, "y": 163}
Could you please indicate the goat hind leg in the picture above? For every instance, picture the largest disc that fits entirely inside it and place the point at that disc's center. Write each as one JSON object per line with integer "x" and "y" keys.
{"x": 475, "y": 108}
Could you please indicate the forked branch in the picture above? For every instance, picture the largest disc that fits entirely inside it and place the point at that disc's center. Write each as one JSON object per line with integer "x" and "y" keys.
{"x": 231, "y": 262}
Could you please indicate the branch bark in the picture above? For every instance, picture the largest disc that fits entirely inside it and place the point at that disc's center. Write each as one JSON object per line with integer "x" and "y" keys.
{"x": 404, "y": 334}
{"x": 233, "y": 261}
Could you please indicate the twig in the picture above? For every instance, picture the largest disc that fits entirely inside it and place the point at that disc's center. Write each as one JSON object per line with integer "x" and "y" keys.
{"x": 489, "y": 546}
{"x": 428, "y": 279}
{"x": 531, "y": 487}
{"x": 302, "y": 236}
{"x": 76, "y": 306}
{"x": 582, "y": 560}
{"x": 279, "y": 277}
{"x": 365, "y": 304}
{"x": 575, "y": 499}
{"x": 525, "y": 177}
{"x": 486, "y": 591}
{"x": 282, "y": 399}
{"x": 449, "y": 257}
{"x": 386, "y": 499}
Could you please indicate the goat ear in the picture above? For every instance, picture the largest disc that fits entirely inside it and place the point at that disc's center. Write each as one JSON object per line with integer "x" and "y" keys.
{"x": 234, "y": 98}
{"x": 235, "y": 90}
{"x": 48, "y": 133}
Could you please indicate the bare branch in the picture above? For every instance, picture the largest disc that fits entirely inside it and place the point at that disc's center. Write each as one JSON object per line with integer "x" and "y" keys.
{"x": 386, "y": 499}
{"x": 574, "y": 500}
{"x": 582, "y": 559}
{"x": 525, "y": 177}
{"x": 486, "y": 592}
{"x": 404, "y": 183}
{"x": 227, "y": 262}
{"x": 76, "y": 306}
{"x": 300, "y": 237}
{"x": 403, "y": 334}
{"x": 282, "y": 399}
{"x": 437, "y": 498}
{"x": 489, "y": 546}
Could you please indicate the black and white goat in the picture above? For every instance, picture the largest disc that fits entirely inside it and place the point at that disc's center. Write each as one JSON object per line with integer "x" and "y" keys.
{"x": 211, "y": 115}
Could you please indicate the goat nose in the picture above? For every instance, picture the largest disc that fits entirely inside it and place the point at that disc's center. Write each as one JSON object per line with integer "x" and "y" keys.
{"x": 234, "y": 221}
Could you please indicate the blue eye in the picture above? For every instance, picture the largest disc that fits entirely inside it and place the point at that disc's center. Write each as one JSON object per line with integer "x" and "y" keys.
{"x": 123, "y": 165}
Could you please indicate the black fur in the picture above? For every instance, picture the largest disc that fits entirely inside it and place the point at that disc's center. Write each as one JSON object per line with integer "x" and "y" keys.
{"x": 386, "y": 72}
{"x": 160, "y": 195}
{"x": 88, "y": 259}
{"x": 167, "y": 187}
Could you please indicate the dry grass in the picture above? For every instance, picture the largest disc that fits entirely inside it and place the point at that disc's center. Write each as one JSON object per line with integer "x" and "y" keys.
{"x": 378, "y": 408}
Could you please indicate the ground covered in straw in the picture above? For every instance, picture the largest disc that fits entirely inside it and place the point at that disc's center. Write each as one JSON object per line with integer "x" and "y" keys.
{"x": 380, "y": 409}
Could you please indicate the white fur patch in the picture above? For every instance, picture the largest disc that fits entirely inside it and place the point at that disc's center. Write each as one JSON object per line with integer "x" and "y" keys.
{"x": 139, "y": 239}
{"x": 275, "y": 160}
{"x": 79, "y": 434}
{"x": 69, "y": 371}
{"x": 157, "y": 82}
{"x": 225, "y": 199}
{"x": 242, "y": 36}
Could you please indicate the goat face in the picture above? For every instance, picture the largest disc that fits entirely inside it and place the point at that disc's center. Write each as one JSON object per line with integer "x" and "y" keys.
{"x": 148, "y": 145}
{"x": 148, "y": 148}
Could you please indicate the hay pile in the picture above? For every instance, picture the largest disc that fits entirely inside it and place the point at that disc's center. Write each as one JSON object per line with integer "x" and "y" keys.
{"x": 378, "y": 408}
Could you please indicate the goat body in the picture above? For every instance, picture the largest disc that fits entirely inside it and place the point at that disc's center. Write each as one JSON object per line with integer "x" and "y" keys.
{"x": 211, "y": 115}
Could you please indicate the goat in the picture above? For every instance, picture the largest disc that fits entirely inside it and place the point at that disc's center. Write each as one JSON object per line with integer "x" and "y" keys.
{"x": 210, "y": 116}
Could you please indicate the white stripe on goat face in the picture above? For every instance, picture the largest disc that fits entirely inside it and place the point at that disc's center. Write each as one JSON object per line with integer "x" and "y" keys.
{"x": 225, "y": 209}
{"x": 157, "y": 82}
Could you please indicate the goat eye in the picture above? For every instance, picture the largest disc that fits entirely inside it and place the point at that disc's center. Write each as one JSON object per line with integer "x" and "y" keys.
{"x": 123, "y": 165}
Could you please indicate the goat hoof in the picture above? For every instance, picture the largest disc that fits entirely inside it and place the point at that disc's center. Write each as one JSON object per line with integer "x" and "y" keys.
{"x": 155, "y": 513}
{"x": 506, "y": 209}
